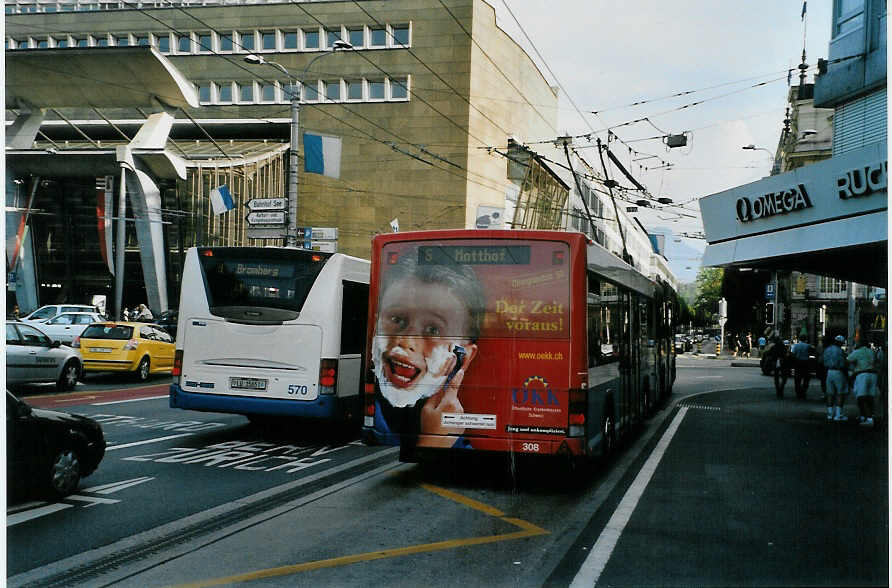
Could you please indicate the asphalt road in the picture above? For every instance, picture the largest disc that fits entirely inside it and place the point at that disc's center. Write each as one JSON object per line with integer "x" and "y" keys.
{"x": 726, "y": 487}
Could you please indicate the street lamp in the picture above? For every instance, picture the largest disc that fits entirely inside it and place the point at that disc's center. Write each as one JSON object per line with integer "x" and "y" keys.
{"x": 752, "y": 147}
{"x": 291, "y": 236}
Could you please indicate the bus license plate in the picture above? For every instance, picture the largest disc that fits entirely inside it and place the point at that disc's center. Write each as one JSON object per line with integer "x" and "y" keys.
{"x": 248, "y": 383}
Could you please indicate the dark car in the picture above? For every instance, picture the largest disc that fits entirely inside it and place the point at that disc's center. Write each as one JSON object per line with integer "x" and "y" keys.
{"x": 49, "y": 451}
{"x": 167, "y": 320}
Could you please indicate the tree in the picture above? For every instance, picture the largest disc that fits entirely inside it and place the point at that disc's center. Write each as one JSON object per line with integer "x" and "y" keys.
{"x": 709, "y": 291}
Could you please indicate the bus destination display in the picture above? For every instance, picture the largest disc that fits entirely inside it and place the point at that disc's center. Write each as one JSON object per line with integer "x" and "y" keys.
{"x": 474, "y": 255}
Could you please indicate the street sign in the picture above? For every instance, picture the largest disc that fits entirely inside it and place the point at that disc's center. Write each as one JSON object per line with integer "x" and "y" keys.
{"x": 317, "y": 233}
{"x": 267, "y": 204}
{"x": 323, "y": 246}
{"x": 266, "y": 218}
{"x": 265, "y": 232}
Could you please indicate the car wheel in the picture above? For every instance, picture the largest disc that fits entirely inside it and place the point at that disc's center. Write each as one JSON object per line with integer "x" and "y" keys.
{"x": 65, "y": 472}
{"x": 142, "y": 372}
{"x": 69, "y": 376}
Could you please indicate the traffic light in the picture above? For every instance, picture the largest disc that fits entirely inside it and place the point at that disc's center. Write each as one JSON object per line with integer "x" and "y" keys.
{"x": 769, "y": 313}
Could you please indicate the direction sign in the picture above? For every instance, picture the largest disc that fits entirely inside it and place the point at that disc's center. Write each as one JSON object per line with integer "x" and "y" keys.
{"x": 266, "y": 218}
{"x": 267, "y": 204}
{"x": 265, "y": 233}
{"x": 323, "y": 233}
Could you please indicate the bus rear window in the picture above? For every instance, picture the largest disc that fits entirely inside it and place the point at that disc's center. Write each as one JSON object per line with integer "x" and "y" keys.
{"x": 260, "y": 278}
{"x": 467, "y": 290}
{"x": 116, "y": 332}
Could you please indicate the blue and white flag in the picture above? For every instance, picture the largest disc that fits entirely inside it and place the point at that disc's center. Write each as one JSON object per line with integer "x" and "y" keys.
{"x": 322, "y": 155}
{"x": 221, "y": 199}
{"x": 803, "y": 10}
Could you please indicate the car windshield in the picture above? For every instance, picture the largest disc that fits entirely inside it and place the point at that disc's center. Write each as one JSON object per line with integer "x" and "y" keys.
{"x": 42, "y": 313}
{"x": 108, "y": 332}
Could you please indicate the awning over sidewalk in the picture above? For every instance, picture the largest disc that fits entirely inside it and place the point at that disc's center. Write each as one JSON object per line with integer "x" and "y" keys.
{"x": 829, "y": 218}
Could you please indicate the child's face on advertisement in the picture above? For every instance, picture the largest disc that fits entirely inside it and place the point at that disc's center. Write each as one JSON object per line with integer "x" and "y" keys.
{"x": 419, "y": 325}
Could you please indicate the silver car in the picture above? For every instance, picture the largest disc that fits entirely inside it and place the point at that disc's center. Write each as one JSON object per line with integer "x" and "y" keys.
{"x": 48, "y": 311}
{"x": 67, "y": 326}
{"x": 32, "y": 357}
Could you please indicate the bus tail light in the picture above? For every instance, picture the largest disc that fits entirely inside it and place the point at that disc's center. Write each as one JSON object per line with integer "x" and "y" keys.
{"x": 131, "y": 345}
{"x": 369, "y": 414}
{"x": 328, "y": 376}
{"x": 177, "y": 370}
{"x": 576, "y": 413}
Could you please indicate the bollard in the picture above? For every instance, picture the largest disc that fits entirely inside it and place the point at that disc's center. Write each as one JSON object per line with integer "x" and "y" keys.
{"x": 718, "y": 348}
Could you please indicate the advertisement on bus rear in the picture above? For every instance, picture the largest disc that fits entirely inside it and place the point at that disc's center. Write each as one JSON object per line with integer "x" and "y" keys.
{"x": 471, "y": 341}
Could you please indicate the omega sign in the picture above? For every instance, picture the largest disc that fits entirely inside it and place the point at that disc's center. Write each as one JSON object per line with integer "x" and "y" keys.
{"x": 783, "y": 202}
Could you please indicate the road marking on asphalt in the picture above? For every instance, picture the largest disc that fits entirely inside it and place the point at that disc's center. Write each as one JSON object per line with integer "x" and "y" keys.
{"x": 129, "y": 400}
{"x": 527, "y": 529}
{"x": 599, "y": 555}
{"x": 34, "y": 513}
{"x": 145, "y": 441}
{"x": 78, "y": 399}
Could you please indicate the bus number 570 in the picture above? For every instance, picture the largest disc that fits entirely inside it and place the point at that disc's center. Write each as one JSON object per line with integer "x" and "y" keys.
{"x": 298, "y": 389}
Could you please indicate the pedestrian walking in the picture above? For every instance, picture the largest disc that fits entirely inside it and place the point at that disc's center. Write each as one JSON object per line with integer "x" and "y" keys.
{"x": 749, "y": 344}
{"x": 782, "y": 364}
{"x": 801, "y": 366}
{"x": 143, "y": 313}
{"x": 125, "y": 314}
{"x": 862, "y": 367}
{"x": 820, "y": 369}
{"x": 837, "y": 384}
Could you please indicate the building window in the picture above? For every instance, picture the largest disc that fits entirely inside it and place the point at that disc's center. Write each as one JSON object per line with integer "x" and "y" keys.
{"x": 831, "y": 285}
{"x": 204, "y": 92}
{"x": 354, "y": 90}
{"x": 246, "y": 92}
{"x": 399, "y": 88}
{"x": 289, "y": 40}
{"x": 311, "y": 38}
{"x": 122, "y": 40}
{"x": 43, "y": 44}
{"x": 268, "y": 40}
{"x": 226, "y": 42}
{"x": 205, "y": 43}
{"x": 81, "y": 42}
{"x": 333, "y": 91}
{"x": 246, "y": 39}
{"x": 289, "y": 90}
{"x": 23, "y": 44}
{"x": 849, "y": 15}
{"x": 142, "y": 41}
{"x": 356, "y": 37}
{"x": 332, "y": 35}
{"x": 62, "y": 43}
{"x": 163, "y": 43}
{"x": 311, "y": 92}
{"x": 184, "y": 43}
{"x": 102, "y": 42}
{"x": 376, "y": 90}
{"x": 224, "y": 91}
{"x": 268, "y": 93}
{"x": 377, "y": 37}
{"x": 401, "y": 35}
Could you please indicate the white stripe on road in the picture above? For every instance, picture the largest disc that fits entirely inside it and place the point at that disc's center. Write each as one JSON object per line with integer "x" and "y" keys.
{"x": 145, "y": 441}
{"x": 21, "y": 517}
{"x": 128, "y": 400}
{"x": 594, "y": 564}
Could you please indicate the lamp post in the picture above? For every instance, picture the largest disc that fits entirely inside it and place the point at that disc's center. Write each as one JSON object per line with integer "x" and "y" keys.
{"x": 752, "y": 147}
{"x": 291, "y": 234}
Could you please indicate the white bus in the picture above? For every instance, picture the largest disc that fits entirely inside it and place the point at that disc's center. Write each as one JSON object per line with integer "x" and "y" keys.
{"x": 271, "y": 331}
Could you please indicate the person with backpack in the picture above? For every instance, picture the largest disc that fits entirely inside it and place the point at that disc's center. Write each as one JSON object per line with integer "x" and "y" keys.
{"x": 862, "y": 367}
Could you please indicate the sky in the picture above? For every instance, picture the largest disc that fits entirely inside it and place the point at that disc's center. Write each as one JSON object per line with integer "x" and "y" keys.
{"x": 607, "y": 55}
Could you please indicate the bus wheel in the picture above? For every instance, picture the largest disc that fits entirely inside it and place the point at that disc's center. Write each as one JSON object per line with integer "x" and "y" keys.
{"x": 608, "y": 437}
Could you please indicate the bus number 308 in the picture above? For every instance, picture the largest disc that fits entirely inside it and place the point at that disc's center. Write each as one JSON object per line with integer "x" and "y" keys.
{"x": 530, "y": 447}
{"x": 297, "y": 389}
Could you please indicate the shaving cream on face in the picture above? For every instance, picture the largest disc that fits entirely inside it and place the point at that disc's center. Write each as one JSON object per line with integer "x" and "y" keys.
{"x": 425, "y": 386}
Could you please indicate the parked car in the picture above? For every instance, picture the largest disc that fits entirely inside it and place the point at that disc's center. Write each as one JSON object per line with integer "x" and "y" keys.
{"x": 140, "y": 348}
{"x": 32, "y": 357}
{"x": 49, "y": 451}
{"x": 46, "y": 312}
{"x": 168, "y": 321}
{"x": 68, "y": 325}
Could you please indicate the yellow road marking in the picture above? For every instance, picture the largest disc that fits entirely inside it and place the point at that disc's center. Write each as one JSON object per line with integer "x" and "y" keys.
{"x": 527, "y": 530}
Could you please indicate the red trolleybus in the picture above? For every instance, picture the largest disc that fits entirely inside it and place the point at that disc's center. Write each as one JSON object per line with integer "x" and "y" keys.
{"x": 537, "y": 342}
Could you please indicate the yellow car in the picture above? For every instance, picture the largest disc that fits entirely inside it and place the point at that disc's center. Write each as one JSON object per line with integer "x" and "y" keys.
{"x": 126, "y": 347}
